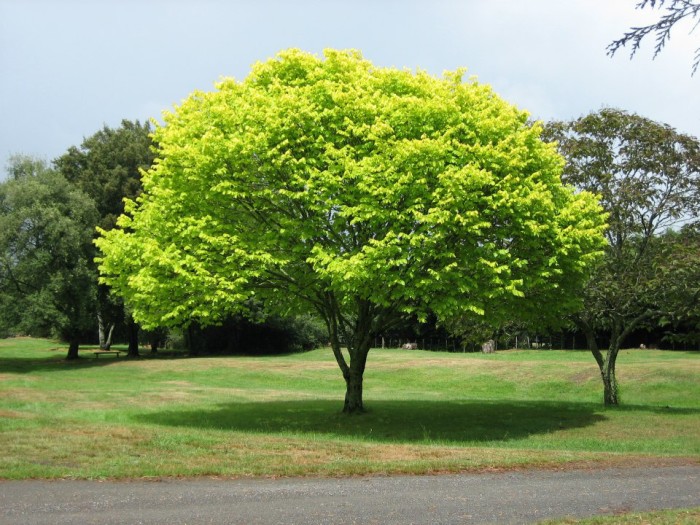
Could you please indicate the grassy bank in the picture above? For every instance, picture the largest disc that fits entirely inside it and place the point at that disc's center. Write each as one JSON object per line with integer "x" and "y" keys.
{"x": 427, "y": 412}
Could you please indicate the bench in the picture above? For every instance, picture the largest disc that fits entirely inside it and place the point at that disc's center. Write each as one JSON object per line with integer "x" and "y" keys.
{"x": 98, "y": 353}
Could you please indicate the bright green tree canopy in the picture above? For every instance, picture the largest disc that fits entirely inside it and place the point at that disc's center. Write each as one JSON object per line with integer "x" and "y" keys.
{"x": 362, "y": 193}
{"x": 332, "y": 176}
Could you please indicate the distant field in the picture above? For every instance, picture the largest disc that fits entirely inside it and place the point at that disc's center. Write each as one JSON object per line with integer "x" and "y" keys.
{"x": 280, "y": 416}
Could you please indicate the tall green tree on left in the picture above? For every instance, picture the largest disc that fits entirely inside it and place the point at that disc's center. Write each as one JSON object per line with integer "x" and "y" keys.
{"x": 107, "y": 167}
{"x": 47, "y": 279}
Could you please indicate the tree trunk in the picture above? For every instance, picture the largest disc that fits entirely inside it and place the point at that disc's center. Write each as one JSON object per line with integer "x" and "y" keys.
{"x": 105, "y": 343}
{"x": 101, "y": 331}
{"x": 353, "y": 393}
{"x": 607, "y": 371}
{"x": 619, "y": 333}
{"x": 155, "y": 344}
{"x": 357, "y": 334}
{"x": 610, "y": 392}
{"x": 73, "y": 345}
{"x": 606, "y": 364}
{"x": 609, "y": 383}
{"x": 108, "y": 342}
{"x": 133, "y": 331}
{"x": 193, "y": 340}
{"x": 352, "y": 373}
{"x": 353, "y": 380}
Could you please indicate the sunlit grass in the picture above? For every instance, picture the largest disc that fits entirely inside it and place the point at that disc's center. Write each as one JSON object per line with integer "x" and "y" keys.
{"x": 257, "y": 416}
{"x": 663, "y": 517}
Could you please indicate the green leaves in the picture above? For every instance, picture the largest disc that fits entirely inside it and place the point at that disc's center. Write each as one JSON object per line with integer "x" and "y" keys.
{"x": 107, "y": 166}
{"x": 332, "y": 176}
{"x": 46, "y": 225}
{"x": 648, "y": 178}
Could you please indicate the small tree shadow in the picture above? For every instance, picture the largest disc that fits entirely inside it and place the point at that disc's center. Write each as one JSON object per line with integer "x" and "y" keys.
{"x": 391, "y": 421}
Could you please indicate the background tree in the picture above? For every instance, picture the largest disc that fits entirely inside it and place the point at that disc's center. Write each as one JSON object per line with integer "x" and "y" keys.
{"x": 47, "y": 281}
{"x": 675, "y": 11}
{"x": 22, "y": 166}
{"x": 363, "y": 193}
{"x": 647, "y": 176}
{"x": 678, "y": 263}
{"x": 107, "y": 167}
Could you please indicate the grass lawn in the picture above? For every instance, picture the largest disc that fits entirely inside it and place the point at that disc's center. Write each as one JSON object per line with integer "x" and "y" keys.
{"x": 663, "y": 517}
{"x": 279, "y": 416}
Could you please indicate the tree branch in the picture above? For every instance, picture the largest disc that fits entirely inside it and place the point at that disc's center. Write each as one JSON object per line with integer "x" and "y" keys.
{"x": 676, "y": 10}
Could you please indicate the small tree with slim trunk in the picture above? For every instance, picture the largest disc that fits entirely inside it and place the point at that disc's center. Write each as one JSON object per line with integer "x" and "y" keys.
{"x": 364, "y": 194}
{"x": 648, "y": 177}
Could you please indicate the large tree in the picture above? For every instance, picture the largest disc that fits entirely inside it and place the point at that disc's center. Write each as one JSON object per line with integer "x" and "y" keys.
{"x": 648, "y": 178}
{"x": 47, "y": 281}
{"x": 107, "y": 166}
{"x": 362, "y": 193}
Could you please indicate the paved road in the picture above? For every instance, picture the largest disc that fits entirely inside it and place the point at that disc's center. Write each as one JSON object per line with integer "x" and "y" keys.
{"x": 516, "y": 497}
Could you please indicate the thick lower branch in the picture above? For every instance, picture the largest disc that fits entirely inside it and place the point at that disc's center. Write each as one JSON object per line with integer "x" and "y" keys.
{"x": 591, "y": 342}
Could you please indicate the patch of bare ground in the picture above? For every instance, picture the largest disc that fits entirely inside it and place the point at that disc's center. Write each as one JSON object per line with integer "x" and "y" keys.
{"x": 612, "y": 461}
{"x": 20, "y": 394}
{"x": 460, "y": 361}
{"x": 285, "y": 366}
{"x": 641, "y": 373}
{"x": 14, "y": 377}
{"x": 167, "y": 397}
{"x": 13, "y": 414}
{"x": 482, "y": 459}
{"x": 76, "y": 400}
{"x": 441, "y": 361}
{"x": 94, "y": 404}
{"x": 184, "y": 390}
{"x": 584, "y": 376}
{"x": 195, "y": 364}
{"x": 177, "y": 383}
{"x": 103, "y": 435}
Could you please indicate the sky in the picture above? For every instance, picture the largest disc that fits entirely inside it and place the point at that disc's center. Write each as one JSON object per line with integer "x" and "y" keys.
{"x": 70, "y": 67}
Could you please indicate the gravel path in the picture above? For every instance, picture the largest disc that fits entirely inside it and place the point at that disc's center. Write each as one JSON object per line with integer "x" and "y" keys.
{"x": 513, "y": 497}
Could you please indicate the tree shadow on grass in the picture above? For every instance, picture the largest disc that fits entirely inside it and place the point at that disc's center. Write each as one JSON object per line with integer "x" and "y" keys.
{"x": 656, "y": 409}
{"x": 22, "y": 365}
{"x": 56, "y": 360}
{"x": 390, "y": 421}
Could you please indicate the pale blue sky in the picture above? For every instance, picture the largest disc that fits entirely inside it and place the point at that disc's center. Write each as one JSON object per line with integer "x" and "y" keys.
{"x": 69, "y": 66}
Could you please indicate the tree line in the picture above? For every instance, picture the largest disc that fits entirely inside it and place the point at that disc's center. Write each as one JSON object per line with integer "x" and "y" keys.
{"x": 49, "y": 282}
{"x": 365, "y": 199}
